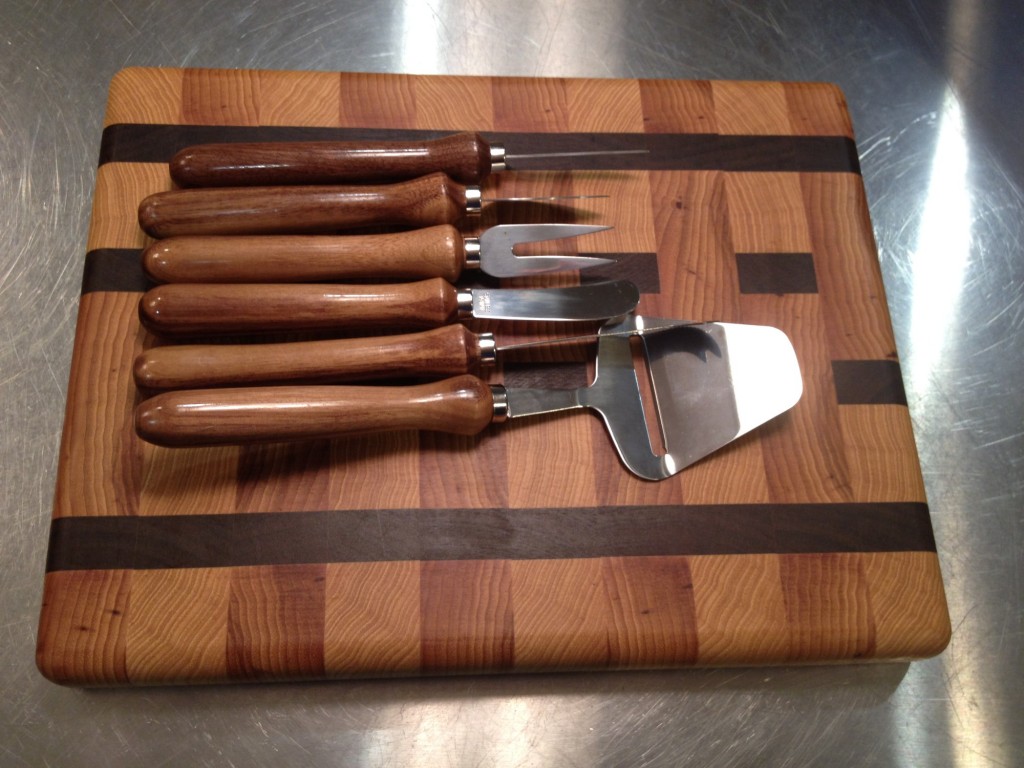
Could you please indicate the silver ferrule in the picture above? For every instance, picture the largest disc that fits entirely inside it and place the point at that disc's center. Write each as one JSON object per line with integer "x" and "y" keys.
{"x": 488, "y": 349}
{"x": 500, "y": 397}
{"x": 498, "y": 157}
{"x": 474, "y": 199}
{"x": 464, "y": 302}
{"x": 472, "y": 249}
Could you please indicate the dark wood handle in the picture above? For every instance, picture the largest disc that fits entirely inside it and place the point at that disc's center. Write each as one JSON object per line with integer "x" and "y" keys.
{"x": 462, "y": 405}
{"x": 188, "y": 309}
{"x": 466, "y": 157}
{"x": 437, "y": 251}
{"x": 422, "y": 202}
{"x": 437, "y": 353}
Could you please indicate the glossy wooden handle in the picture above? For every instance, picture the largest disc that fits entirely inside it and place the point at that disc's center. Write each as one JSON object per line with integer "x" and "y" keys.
{"x": 437, "y": 251}
{"x": 188, "y": 309}
{"x": 466, "y": 157}
{"x": 422, "y": 202}
{"x": 437, "y": 353}
{"x": 462, "y": 405}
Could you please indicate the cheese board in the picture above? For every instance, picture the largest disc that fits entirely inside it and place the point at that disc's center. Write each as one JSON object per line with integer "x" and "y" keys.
{"x": 528, "y": 547}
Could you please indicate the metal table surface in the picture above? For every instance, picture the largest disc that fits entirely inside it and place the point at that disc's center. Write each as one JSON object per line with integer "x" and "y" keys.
{"x": 934, "y": 88}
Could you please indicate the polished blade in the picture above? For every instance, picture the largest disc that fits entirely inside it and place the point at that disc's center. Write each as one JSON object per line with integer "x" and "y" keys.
{"x": 589, "y": 153}
{"x": 596, "y": 301}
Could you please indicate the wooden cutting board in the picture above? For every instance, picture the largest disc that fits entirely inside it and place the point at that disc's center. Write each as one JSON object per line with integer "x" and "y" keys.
{"x": 529, "y": 547}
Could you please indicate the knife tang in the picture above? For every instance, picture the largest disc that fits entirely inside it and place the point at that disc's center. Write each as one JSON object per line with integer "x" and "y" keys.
{"x": 437, "y": 251}
{"x": 439, "y": 352}
{"x": 461, "y": 405}
{"x": 428, "y": 200}
{"x": 466, "y": 157}
{"x": 183, "y": 309}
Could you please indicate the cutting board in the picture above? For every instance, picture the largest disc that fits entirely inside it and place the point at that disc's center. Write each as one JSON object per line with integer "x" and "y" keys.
{"x": 528, "y": 547}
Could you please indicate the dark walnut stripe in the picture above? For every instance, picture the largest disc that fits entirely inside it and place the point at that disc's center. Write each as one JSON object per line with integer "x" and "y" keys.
{"x": 114, "y": 269}
{"x": 776, "y": 273}
{"x": 203, "y": 541}
{"x": 868, "y": 382}
{"x": 138, "y": 143}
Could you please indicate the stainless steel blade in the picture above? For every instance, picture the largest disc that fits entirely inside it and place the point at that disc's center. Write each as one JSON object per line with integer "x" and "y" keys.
{"x": 595, "y": 301}
{"x": 498, "y": 258}
{"x": 712, "y": 382}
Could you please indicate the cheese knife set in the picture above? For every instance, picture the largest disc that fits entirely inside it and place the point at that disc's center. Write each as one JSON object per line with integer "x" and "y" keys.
{"x": 260, "y": 236}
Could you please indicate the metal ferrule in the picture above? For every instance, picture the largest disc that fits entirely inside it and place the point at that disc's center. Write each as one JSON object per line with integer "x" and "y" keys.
{"x": 474, "y": 199}
{"x": 488, "y": 349}
{"x": 500, "y": 397}
{"x": 464, "y": 302}
{"x": 498, "y": 157}
{"x": 472, "y": 250}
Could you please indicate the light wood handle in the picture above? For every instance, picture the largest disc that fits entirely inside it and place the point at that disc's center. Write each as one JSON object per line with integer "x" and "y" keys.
{"x": 462, "y": 405}
{"x": 422, "y": 202}
{"x": 437, "y": 353}
{"x": 437, "y": 251}
{"x": 189, "y": 309}
{"x": 466, "y": 157}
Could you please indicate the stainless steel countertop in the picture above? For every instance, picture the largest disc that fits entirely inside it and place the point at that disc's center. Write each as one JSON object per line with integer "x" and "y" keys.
{"x": 935, "y": 91}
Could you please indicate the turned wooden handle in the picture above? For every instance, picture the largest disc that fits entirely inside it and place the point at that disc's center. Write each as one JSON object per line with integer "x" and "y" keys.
{"x": 437, "y": 251}
{"x": 462, "y": 405}
{"x": 422, "y": 202}
{"x": 183, "y": 309}
{"x": 466, "y": 157}
{"x": 437, "y": 353}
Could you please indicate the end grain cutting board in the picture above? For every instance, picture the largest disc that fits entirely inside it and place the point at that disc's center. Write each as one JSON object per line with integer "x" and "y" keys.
{"x": 529, "y": 547}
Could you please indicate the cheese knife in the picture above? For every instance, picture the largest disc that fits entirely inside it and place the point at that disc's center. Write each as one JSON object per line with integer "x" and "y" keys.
{"x": 183, "y": 309}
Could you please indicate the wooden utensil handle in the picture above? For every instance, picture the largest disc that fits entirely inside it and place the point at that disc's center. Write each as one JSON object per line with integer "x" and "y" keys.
{"x": 466, "y": 157}
{"x": 178, "y": 309}
{"x": 462, "y": 405}
{"x": 437, "y": 251}
{"x": 440, "y": 352}
{"x": 422, "y": 202}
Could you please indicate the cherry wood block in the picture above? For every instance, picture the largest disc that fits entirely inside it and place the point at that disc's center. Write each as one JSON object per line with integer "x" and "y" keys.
{"x": 220, "y": 97}
{"x": 276, "y": 622}
{"x": 466, "y": 615}
{"x": 528, "y": 546}
{"x": 815, "y": 109}
{"x": 212, "y": 475}
{"x": 82, "y": 628}
{"x": 369, "y": 100}
{"x": 530, "y": 104}
{"x": 678, "y": 106}
{"x": 828, "y": 607}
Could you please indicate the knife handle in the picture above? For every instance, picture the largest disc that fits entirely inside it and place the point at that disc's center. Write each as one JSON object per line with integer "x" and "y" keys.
{"x": 183, "y": 309}
{"x": 437, "y": 353}
{"x": 461, "y": 405}
{"x": 466, "y": 157}
{"x": 421, "y": 202}
{"x": 437, "y": 251}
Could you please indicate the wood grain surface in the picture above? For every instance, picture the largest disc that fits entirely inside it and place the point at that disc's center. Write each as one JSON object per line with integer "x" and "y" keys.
{"x": 528, "y": 547}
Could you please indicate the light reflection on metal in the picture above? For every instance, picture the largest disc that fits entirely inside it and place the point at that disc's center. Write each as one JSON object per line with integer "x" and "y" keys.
{"x": 939, "y": 261}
